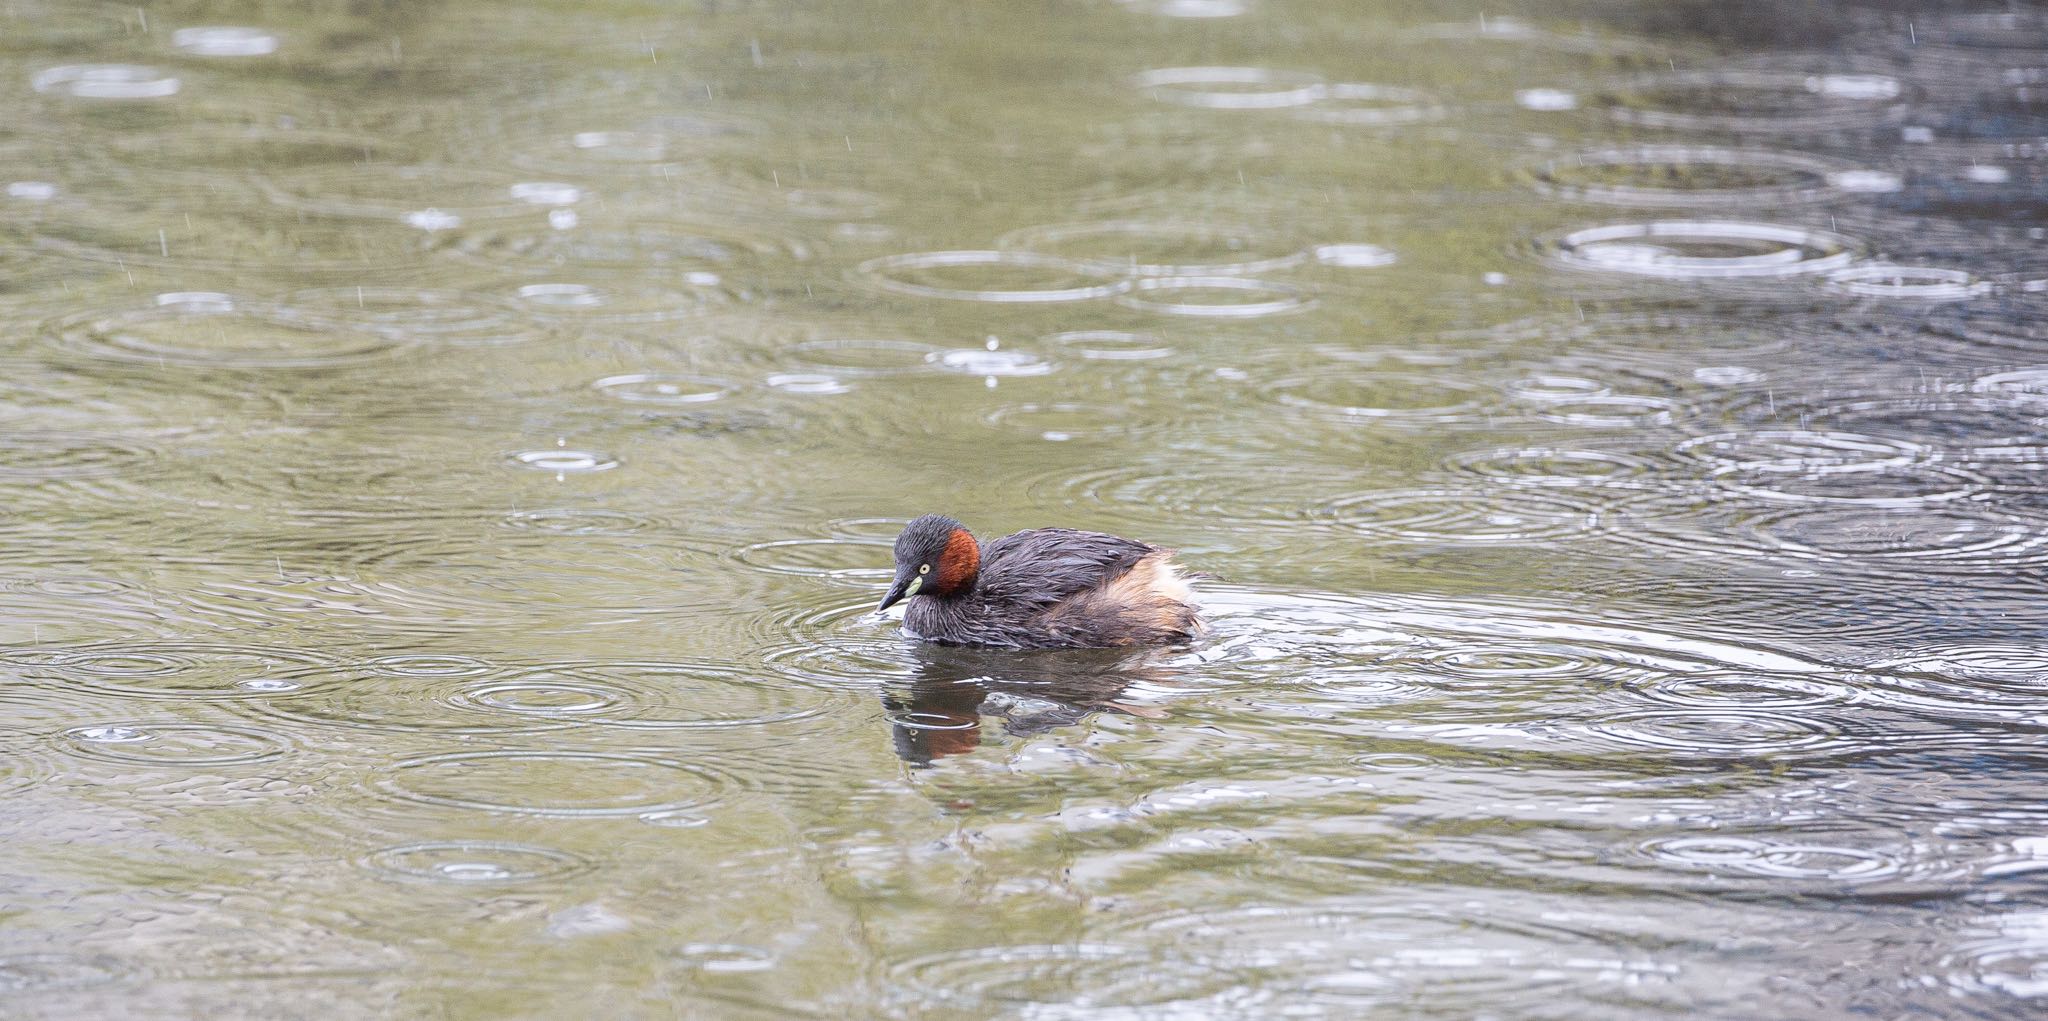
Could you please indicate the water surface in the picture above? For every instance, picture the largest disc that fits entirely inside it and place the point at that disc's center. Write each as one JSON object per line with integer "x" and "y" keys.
{"x": 448, "y": 455}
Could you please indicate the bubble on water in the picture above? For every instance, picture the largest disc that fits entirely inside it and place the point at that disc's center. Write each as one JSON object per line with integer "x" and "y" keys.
{"x": 546, "y": 193}
{"x": 979, "y": 361}
{"x": 176, "y": 744}
{"x": 106, "y": 81}
{"x": 1699, "y": 249}
{"x": 1354, "y": 256}
{"x": 225, "y": 41}
{"x": 1727, "y": 375}
{"x": 1546, "y": 100}
{"x": 1191, "y": 8}
{"x": 1983, "y": 174}
{"x": 432, "y": 219}
{"x": 1232, "y": 88}
{"x": 474, "y": 862}
{"x": 633, "y": 146}
{"x": 32, "y": 191}
{"x": 196, "y": 301}
{"x": 1866, "y": 182}
{"x": 723, "y": 957}
{"x": 1854, "y": 86}
{"x": 562, "y": 461}
{"x": 561, "y": 295}
{"x": 585, "y": 920}
{"x": 812, "y": 383}
{"x": 664, "y": 388}
{"x": 109, "y": 735}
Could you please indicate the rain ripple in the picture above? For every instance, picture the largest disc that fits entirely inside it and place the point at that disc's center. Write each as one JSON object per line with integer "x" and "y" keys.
{"x": 170, "y": 671}
{"x": 1463, "y": 517}
{"x": 1788, "y": 102}
{"x": 1968, "y": 681}
{"x": 646, "y": 696}
{"x": 1696, "y": 176}
{"x": 474, "y": 862}
{"x": 1162, "y": 248}
{"x": 1699, "y": 249}
{"x": 556, "y": 783}
{"x": 219, "y": 331}
{"x": 175, "y": 744}
{"x": 1729, "y": 856}
{"x": 1089, "y": 977}
{"x": 1363, "y": 954}
{"x": 989, "y": 276}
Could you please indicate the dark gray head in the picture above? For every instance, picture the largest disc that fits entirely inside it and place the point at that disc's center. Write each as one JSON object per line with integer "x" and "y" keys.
{"x": 935, "y": 556}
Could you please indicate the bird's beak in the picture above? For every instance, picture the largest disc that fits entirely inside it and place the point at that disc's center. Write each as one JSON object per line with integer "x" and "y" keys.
{"x": 906, "y": 585}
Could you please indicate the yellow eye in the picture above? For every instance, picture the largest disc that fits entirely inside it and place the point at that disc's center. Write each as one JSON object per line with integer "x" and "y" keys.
{"x": 924, "y": 568}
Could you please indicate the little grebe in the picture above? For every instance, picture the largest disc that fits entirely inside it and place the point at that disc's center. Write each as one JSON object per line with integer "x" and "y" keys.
{"x": 1047, "y": 588}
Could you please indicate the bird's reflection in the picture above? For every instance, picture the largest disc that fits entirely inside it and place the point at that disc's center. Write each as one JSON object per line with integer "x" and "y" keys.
{"x": 952, "y": 689}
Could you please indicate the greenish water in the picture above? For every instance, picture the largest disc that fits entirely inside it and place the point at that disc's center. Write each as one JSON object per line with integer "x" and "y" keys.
{"x": 449, "y": 453}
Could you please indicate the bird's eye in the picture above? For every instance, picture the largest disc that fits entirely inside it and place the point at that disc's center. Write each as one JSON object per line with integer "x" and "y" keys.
{"x": 924, "y": 568}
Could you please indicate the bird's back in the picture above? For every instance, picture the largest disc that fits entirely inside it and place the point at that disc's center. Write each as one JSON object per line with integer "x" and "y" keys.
{"x": 1063, "y": 588}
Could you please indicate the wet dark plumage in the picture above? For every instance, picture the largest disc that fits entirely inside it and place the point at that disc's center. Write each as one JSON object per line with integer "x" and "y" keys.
{"x": 1046, "y": 588}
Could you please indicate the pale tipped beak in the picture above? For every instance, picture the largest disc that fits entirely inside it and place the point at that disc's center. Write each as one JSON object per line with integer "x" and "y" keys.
{"x": 906, "y": 586}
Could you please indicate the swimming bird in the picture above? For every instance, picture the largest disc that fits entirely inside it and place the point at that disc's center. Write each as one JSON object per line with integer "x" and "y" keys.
{"x": 1046, "y": 588}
